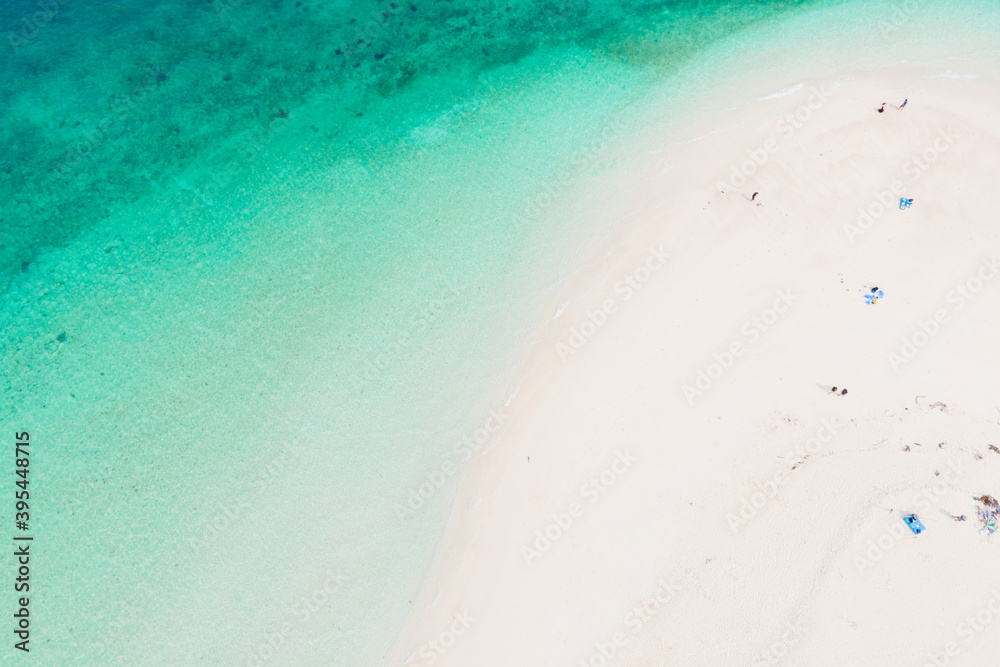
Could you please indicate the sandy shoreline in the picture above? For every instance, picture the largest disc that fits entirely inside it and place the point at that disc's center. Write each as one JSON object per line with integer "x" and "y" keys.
{"x": 615, "y": 520}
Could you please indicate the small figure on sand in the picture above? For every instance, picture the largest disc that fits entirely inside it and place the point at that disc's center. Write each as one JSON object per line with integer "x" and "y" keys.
{"x": 903, "y": 104}
{"x": 873, "y": 295}
{"x": 754, "y": 196}
{"x": 881, "y": 109}
{"x": 842, "y": 392}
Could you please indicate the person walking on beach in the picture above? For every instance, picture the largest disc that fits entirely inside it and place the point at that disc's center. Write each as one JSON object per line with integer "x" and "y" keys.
{"x": 881, "y": 109}
{"x": 903, "y": 104}
{"x": 754, "y": 196}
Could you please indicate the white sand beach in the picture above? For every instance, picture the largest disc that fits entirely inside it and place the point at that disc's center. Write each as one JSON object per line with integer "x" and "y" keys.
{"x": 675, "y": 483}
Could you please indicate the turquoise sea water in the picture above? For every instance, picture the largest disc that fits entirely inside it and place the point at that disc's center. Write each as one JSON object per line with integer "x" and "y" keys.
{"x": 262, "y": 266}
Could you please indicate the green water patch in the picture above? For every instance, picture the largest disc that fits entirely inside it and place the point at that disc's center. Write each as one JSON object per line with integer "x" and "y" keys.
{"x": 103, "y": 102}
{"x": 247, "y": 372}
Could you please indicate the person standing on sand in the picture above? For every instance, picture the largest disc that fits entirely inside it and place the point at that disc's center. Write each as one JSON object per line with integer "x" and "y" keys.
{"x": 754, "y": 196}
{"x": 881, "y": 109}
{"x": 903, "y": 104}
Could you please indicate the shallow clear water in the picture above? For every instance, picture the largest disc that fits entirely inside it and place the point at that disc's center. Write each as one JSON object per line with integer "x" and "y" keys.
{"x": 293, "y": 271}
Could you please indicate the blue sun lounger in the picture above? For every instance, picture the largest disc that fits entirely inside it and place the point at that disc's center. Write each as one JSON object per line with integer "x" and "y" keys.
{"x": 904, "y": 203}
{"x": 914, "y": 523}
